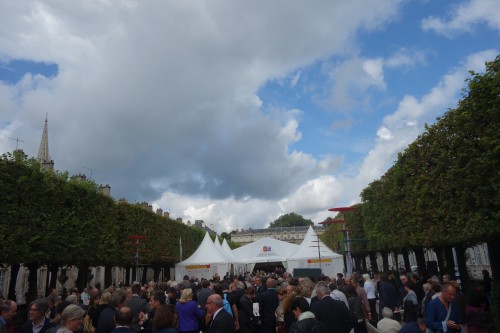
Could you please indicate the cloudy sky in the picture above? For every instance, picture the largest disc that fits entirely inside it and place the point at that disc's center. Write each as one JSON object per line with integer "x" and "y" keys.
{"x": 235, "y": 112}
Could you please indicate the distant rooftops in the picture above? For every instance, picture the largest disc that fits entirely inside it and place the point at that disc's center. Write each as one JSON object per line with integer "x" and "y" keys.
{"x": 281, "y": 229}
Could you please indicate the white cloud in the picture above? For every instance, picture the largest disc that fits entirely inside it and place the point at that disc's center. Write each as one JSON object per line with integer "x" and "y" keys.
{"x": 464, "y": 16}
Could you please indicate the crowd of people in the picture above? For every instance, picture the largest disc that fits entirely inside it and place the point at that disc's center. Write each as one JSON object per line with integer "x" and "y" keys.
{"x": 259, "y": 302}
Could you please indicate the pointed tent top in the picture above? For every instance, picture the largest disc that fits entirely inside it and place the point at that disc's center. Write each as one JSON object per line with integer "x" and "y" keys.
{"x": 226, "y": 248}
{"x": 309, "y": 248}
{"x": 207, "y": 252}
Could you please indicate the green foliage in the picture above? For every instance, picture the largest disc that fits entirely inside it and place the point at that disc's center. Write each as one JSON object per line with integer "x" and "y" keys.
{"x": 444, "y": 189}
{"x": 290, "y": 220}
{"x": 47, "y": 218}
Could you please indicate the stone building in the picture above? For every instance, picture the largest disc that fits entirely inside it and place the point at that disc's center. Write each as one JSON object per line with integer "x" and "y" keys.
{"x": 293, "y": 235}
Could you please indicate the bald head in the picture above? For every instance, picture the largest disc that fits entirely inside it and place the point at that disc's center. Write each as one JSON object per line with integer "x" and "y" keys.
{"x": 214, "y": 303}
{"x": 270, "y": 283}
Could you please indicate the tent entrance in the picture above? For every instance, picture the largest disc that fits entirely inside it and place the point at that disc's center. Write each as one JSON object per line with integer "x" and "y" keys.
{"x": 269, "y": 267}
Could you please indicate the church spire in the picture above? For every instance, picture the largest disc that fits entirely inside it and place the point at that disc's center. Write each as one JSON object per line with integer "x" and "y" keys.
{"x": 43, "y": 152}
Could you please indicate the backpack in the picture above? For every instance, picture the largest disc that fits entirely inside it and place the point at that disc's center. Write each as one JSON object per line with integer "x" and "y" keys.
{"x": 226, "y": 305}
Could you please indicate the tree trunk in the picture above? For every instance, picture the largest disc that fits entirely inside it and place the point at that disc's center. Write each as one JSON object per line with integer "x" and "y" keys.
{"x": 129, "y": 270}
{"x": 440, "y": 260}
{"x": 373, "y": 262}
{"x": 54, "y": 269}
{"x": 144, "y": 275}
{"x": 494, "y": 256}
{"x": 32, "y": 282}
{"x": 462, "y": 268}
{"x": 422, "y": 268}
{"x": 108, "y": 279}
{"x": 156, "y": 272}
{"x": 363, "y": 263}
{"x": 14, "y": 271}
{"x": 81, "y": 280}
{"x": 385, "y": 262}
{"x": 406, "y": 259}
{"x": 450, "y": 262}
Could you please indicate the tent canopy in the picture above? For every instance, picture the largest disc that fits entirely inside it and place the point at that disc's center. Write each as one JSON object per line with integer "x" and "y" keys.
{"x": 264, "y": 250}
{"x": 207, "y": 253}
{"x": 313, "y": 247}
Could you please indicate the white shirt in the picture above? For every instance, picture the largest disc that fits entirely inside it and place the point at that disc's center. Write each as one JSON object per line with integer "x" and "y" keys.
{"x": 370, "y": 289}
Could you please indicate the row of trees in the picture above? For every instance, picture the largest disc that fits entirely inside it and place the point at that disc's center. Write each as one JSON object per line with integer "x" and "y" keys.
{"x": 443, "y": 191}
{"x": 47, "y": 218}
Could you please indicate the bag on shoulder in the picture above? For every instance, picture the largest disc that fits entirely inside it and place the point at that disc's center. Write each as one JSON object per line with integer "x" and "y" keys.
{"x": 227, "y": 306}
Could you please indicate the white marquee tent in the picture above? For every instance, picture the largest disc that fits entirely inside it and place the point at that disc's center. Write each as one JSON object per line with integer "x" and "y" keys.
{"x": 313, "y": 253}
{"x": 207, "y": 260}
{"x": 263, "y": 250}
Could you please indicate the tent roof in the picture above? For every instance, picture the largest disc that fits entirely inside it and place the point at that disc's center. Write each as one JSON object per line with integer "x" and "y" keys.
{"x": 264, "y": 250}
{"x": 227, "y": 249}
{"x": 207, "y": 253}
{"x": 309, "y": 248}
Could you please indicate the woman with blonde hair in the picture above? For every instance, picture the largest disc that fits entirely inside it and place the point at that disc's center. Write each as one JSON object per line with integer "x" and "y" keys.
{"x": 71, "y": 319}
{"x": 189, "y": 312}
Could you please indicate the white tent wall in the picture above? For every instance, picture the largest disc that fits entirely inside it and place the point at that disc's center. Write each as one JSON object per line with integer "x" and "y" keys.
{"x": 329, "y": 266}
{"x": 205, "y": 271}
{"x": 313, "y": 253}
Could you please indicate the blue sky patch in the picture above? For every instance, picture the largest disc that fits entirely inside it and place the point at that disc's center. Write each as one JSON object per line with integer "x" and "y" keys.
{"x": 13, "y": 71}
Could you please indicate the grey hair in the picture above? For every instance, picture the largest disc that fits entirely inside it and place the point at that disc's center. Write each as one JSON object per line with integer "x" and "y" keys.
{"x": 387, "y": 312}
{"x": 322, "y": 287}
{"x": 71, "y": 312}
{"x": 72, "y": 299}
{"x": 41, "y": 304}
{"x": 118, "y": 297}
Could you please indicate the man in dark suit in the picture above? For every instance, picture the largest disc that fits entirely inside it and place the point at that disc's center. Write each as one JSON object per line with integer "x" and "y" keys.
{"x": 38, "y": 322}
{"x": 221, "y": 321}
{"x": 333, "y": 313}
{"x": 105, "y": 323}
{"x": 138, "y": 306}
{"x": 268, "y": 303}
{"x": 123, "y": 320}
{"x": 8, "y": 310}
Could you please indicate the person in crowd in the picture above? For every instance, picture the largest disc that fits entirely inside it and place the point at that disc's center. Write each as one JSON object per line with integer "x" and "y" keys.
{"x": 259, "y": 287}
{"x": 172, "y": 295}
{"x": 428, "y": 293}
{"x": 38, "y": 322}
{"x": 103, "y": 303}
{"x": 124, "y": 319}
{"x": 156, "y": 299}
{"x": 106, "y": 322}
{"x": 306, "y": 321}
{"x": 441, "y": 314}
{"x": 333, "y": 313}
{"x": 8, "y": 309}
{"x": 414, "y": 327}
{"x": 220, "y": 320}
{"x": 56, "y": 322}
{"x": 189, "y": 312}
{"x": 280, "y": 313}
{"x": 387, "y": 324}
{"x": 356, "y": 306}
{"x": 362, "y": 295}
{"x": 247, "y": 319}
{"x": 337, "y": 294}
{"x": 71, "y": 319}
{"x": 138, "y": 306}
{"x": 369, "y": 287}
{"x": 388, "y": 294}
{"x": 165, "y": 320}
{"x": 203, "y": 293}
{"x": 410, "y": 303}
{"x": 268, "y": 303}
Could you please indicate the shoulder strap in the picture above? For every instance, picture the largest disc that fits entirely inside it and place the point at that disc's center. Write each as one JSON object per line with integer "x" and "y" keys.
{"x": 448, "y": 314}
